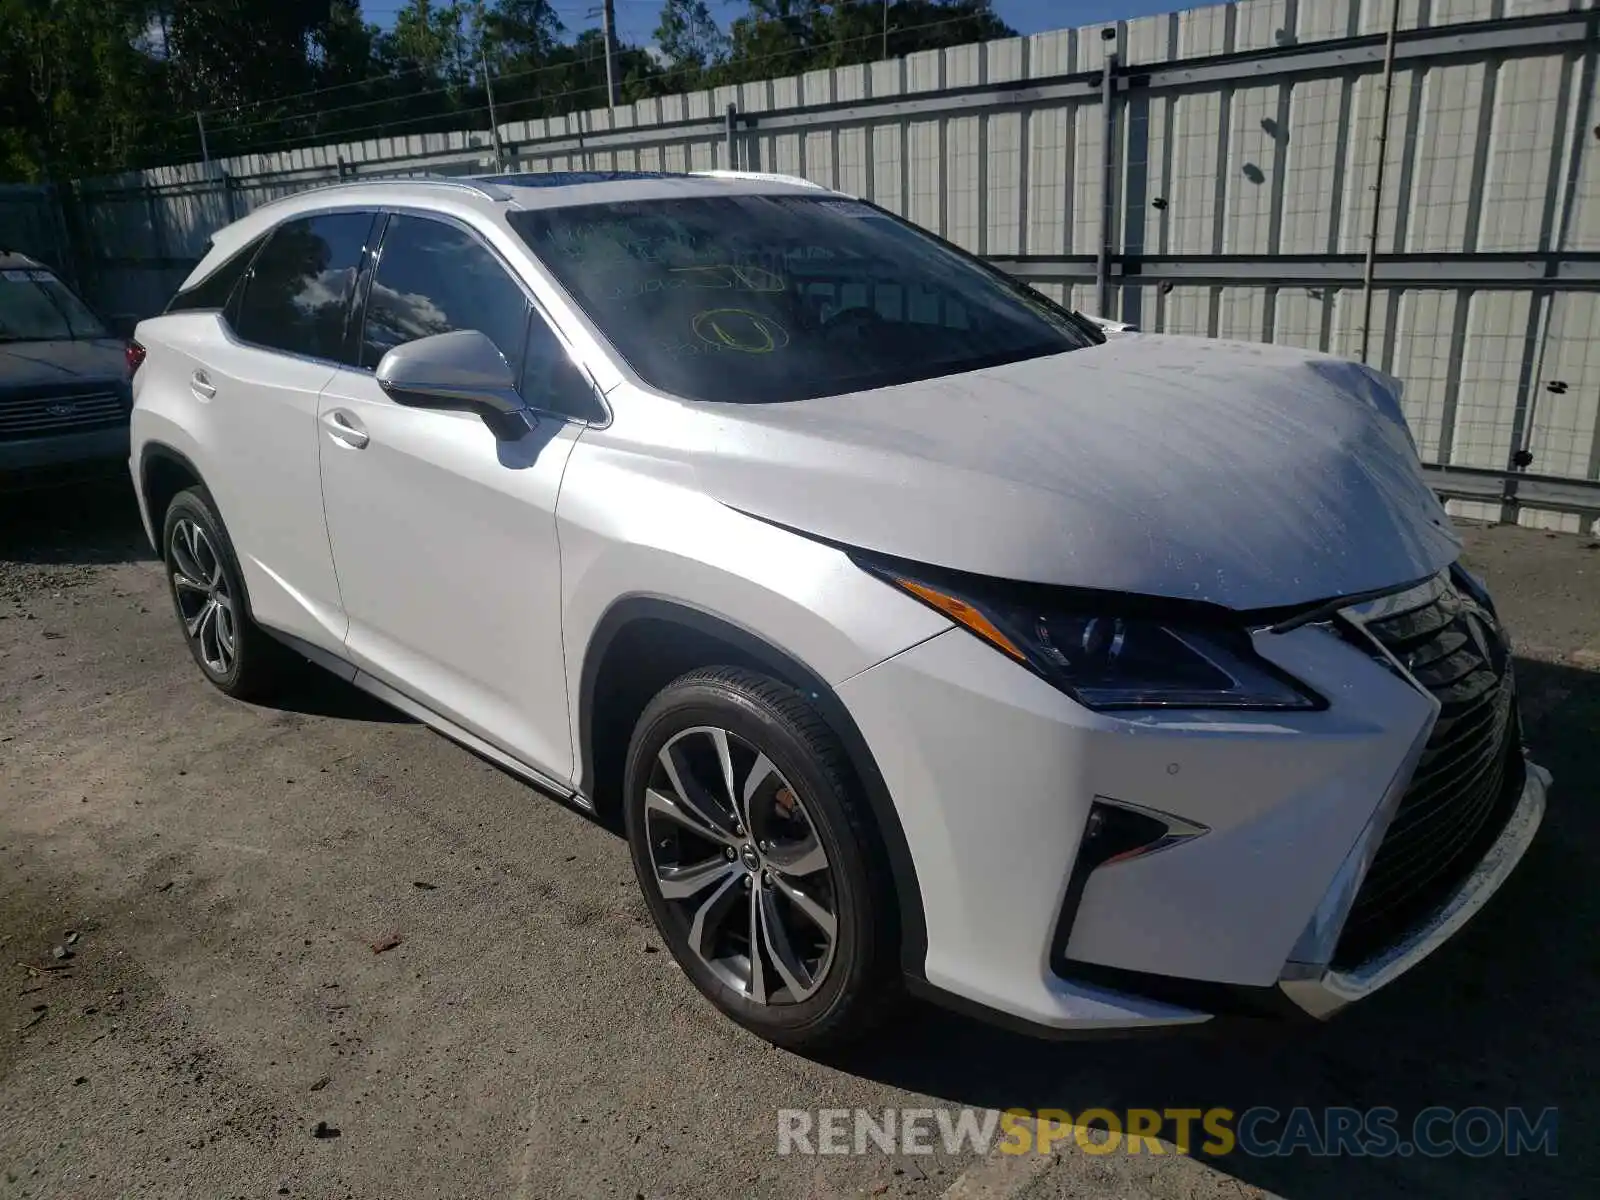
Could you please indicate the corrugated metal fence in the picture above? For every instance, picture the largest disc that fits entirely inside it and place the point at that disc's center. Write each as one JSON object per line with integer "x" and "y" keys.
{"x": 1215, "y": 171}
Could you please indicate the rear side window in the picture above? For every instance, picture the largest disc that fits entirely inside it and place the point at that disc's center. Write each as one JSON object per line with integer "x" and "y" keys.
{"x": 298, "y": 290}
{"x": 213, "y": 291}
{"x": 433, "y": 277}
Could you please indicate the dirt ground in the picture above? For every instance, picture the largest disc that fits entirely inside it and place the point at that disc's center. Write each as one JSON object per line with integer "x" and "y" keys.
{"x": 225, "y": 868}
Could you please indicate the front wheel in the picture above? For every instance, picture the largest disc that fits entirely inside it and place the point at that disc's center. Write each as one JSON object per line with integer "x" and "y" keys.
{"x": 759, "y": 859}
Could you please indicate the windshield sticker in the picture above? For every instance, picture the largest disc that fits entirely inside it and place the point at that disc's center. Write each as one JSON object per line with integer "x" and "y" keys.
{"x": 740, "y": 329}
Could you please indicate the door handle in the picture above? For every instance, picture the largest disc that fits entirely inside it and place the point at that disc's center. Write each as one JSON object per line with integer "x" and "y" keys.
{"x": 200, "y": 383}
{"x": 345, "y": 429}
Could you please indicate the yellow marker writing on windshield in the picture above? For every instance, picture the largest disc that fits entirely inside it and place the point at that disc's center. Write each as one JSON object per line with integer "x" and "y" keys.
{"x": 755, "y": 279}
{"x": 740, "y": 329}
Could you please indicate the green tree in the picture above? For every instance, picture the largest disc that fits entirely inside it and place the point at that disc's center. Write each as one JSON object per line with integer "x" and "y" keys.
{"x": 226, "y": 53}
{"x": 93, "y": 86}
{"x": 526, "y": 30}
{"x": 77, "y": 93}
{"x": 782, "y": 37}
{"x": 775, "y": 38}
{"x": 432, "y": 36}
{"x": 688, "y": 36}
{"x": 346, "y": 45}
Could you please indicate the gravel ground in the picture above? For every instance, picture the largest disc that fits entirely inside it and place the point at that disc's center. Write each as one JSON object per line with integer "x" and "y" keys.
{"x": 221, "y": 872}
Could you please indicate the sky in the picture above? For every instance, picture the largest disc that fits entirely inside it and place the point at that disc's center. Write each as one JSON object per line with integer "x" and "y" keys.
{"x": 636, "y": 19}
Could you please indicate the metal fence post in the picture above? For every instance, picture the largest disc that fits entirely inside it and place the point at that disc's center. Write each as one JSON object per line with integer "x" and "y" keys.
{"x": 63, "y": 252}
{"x": 728, "y": 118}
{"x": 1370, "y": 269}
{"x": 158, "y": 232}
{"x": 1108, "y": 167}
{"x": 75, "y": 227}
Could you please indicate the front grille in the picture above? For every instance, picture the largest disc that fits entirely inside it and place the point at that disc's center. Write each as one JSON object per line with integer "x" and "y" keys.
{"x": 46, "y": 414}
{"x": 1468, "y": 778}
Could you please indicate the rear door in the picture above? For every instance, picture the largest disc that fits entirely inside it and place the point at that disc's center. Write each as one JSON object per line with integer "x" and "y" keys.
{"x": 445, "y": 537}
{"x": 283, "y": 338}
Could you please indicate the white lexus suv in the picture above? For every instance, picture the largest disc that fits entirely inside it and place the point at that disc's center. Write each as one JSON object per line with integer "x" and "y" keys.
{"x": 915, "y": 630}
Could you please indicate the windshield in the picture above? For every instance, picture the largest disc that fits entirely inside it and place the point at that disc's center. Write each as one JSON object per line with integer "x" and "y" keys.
{"x": 35, "y": 306}
{"x": 762, "y": 298}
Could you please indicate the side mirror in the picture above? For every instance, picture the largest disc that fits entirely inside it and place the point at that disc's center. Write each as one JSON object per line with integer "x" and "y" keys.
{"x": 457, "y": 370}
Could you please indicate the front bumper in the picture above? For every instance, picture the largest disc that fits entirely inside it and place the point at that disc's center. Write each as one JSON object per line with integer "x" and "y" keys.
{"x": 1323, "y": 991}
{"x": 993, "y": 773}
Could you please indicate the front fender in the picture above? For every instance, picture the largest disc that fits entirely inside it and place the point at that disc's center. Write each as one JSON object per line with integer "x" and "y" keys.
{"x": 642, "y": 544}
{"x": 626, "y": 533}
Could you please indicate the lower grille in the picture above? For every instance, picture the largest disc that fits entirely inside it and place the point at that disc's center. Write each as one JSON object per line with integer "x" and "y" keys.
{"x": 1468, "y": 778}
{"x": 49, "y": 414}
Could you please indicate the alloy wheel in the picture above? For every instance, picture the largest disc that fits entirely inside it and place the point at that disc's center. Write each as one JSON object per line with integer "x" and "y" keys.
{"x": 737, "y": 857}
{"x": 205, "y": 603}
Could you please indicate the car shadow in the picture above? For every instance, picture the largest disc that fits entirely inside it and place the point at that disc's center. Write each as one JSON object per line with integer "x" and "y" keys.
{"x": 1501, "y": 1017}
{"x": 95, "y": 522}
{"x": 91, "y": 521}
{"x": 312, "y": 691}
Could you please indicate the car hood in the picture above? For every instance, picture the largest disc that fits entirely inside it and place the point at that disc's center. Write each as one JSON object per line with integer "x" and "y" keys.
{"x": 1242, "y": 475}
{"x": 31, "y": 364}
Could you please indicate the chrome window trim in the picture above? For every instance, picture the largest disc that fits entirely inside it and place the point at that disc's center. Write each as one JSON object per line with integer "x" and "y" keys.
{"x": 410, "y": 210}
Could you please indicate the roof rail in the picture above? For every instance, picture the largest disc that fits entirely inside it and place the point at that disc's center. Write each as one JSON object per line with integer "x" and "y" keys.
{"x": 480, "y": 187}
{"x": 760, "y": 177}
{"x": 567, "y": 178}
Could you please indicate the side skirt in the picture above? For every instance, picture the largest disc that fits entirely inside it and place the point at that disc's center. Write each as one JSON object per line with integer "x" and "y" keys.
{"x": 395, "y": 698}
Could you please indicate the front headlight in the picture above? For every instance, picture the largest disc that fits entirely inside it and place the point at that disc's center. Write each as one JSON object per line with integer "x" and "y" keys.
{"x": 1110, "y": 660}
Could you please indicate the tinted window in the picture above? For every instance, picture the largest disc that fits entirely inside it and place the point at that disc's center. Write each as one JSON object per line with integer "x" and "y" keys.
{"x": 436, "y": 278}
{"x": 214, "y": 290}
{"x": 752, "y": 298}
{"x": 550, "y": 379}
{"x": 298, "y": 289}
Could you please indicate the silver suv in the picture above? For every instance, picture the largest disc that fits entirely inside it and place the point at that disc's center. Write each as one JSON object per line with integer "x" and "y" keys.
{"x": 915, "y": 629}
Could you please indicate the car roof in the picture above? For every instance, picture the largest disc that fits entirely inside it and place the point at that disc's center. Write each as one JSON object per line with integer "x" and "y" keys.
{"x": 538, "y": 189}
{"x": 487, "y": 193}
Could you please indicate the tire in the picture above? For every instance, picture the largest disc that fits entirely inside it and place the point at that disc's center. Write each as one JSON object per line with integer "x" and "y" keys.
{"x": 209, "y": 599}
{"x": 802, "y": 855}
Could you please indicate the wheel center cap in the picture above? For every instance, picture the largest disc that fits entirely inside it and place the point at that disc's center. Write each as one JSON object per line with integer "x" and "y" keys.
{"x": 749, "y": 857}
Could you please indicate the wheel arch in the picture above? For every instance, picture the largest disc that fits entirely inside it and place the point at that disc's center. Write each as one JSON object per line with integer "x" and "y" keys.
{"x": 642, "y": 643}
{"x": 164, "y": 471}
